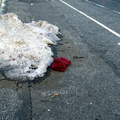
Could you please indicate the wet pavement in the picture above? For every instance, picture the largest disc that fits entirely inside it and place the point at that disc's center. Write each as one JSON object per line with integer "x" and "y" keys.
{"x": 88, "y": 90}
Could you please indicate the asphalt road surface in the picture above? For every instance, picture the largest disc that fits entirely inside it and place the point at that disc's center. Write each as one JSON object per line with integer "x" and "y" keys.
{"x": 90, "y": 88}
{"x": 111, "y": 4}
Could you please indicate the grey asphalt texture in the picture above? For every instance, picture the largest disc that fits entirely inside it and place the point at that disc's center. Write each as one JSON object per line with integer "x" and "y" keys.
{"x": 90, "y": 88}
{"x": 110, "y": 4}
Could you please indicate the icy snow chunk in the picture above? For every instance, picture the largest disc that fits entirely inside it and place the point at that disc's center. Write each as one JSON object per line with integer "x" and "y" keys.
{"x": 24, "y": 47}
{"x": 47, "y": 31}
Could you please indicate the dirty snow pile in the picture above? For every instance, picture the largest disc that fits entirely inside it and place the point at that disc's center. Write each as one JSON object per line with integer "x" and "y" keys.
{"x": 25, "y": 51}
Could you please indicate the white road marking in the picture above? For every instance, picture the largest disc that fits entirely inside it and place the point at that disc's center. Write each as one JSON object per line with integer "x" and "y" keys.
{"x": 94, "y": 3}
{"x": 116, "y": 12}
{"x": 100, "y": 6}
{"x": 102, "y": 25}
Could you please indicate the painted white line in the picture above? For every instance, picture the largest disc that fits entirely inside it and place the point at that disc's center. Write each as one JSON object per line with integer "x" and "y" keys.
{"x": 102, "y": 25}
{"x": 116, "y": 12}
{"x": 99, "y": 5}
{"x": 94, "y": 4}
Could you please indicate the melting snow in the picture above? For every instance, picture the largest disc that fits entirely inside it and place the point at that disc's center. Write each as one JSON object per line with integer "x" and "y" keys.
{"x": 24, "y": 47}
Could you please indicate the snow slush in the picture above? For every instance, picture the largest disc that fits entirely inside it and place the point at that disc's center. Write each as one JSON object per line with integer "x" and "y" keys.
{"x": 25, "y": 51}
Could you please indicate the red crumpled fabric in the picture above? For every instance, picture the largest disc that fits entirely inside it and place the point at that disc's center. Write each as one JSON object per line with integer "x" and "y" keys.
{"x": 60, "y": 64}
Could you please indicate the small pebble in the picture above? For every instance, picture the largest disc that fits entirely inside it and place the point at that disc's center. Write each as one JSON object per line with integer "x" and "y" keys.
{"x": 48, "y": 109}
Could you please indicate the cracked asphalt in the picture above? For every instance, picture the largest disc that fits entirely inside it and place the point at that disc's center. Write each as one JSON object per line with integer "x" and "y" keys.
{"x": 89, "y": 89}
